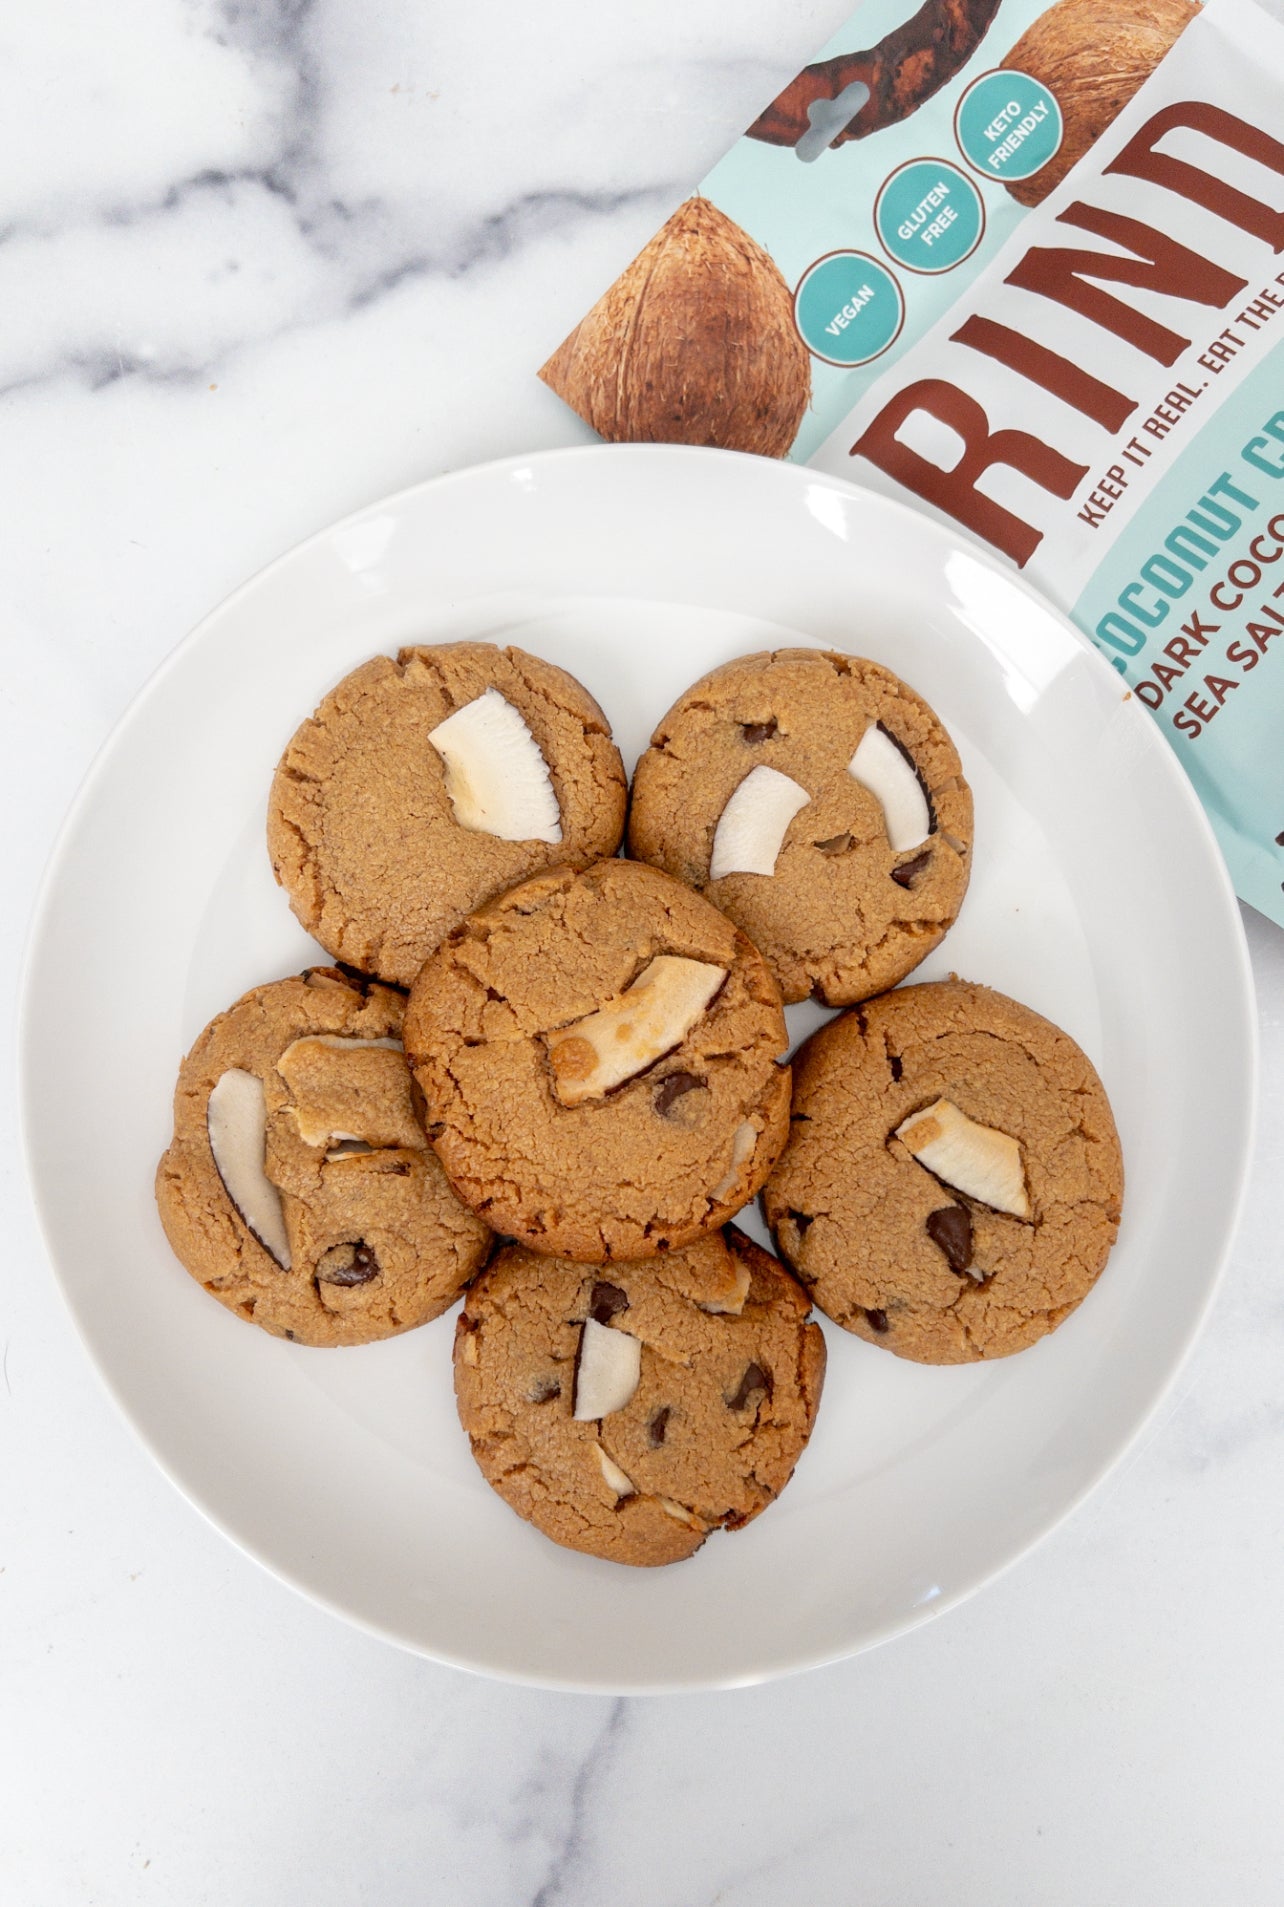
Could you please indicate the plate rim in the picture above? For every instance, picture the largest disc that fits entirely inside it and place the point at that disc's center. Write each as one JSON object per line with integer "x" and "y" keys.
{"x": 39, "y": 925}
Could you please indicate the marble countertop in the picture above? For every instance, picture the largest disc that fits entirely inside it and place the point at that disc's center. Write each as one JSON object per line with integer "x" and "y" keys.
{"x": 262, "y": 261}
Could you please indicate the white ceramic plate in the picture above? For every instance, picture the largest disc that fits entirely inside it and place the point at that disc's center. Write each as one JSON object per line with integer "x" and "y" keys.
{"x": 1098, "y": 898}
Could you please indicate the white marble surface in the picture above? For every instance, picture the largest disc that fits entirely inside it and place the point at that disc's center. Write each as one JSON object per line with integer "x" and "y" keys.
{"x": 259, "y": 263}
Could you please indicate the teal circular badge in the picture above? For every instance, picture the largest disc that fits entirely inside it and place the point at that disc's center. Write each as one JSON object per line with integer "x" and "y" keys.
{"x": 1008, "y": 125}
{"x": 929, "y": 216}
{"x": 848, "y": 308}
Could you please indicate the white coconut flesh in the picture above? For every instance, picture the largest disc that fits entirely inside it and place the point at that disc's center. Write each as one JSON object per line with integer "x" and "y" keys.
{"x": 236, "y": 1119}
{"x": 742, "y": 1146}
{"x": 879, "y": 766}
{"x": 497, "y": 779}
{"x": 613, "y": 1476}
{"x": 978, "y": 1160}
{"x": 629, "y": 1033}
{"x": 733, "y": 1301}
{"x": 752, "y": 827}
{"x": 608, "y": 1372}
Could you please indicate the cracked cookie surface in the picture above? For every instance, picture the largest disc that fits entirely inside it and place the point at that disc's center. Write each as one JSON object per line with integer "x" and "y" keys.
{"x": 663, "y": 1155}
{"x": 362, "y": 830}
{"x": 897, "y": 1252}
{"x": 843, "y": 915}
{"x": 728, "y": 1383}
{"x": 375, "y": 1239}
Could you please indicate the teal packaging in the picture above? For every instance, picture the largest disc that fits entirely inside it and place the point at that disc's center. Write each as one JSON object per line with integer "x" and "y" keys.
{"x": 1019, "y": 266}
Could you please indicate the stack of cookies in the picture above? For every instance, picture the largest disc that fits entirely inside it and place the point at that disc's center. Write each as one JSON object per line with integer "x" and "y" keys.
{"x": 547, "y": 1078}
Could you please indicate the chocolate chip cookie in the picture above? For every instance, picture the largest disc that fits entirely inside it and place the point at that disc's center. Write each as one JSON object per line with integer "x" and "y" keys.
{"x": 299, "y": 1187}
{"x": 629, "y": 1414}
{"x": 818, "y": 801}
{"x": 953, "y": 1180}
{"x": 599, "y": 1058}
{"x": 424, "y": 785}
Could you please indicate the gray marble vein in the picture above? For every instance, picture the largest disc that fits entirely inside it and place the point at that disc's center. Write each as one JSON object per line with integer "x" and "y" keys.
{"x": 559, "y": 1884}
{"x": 331, "y": 248}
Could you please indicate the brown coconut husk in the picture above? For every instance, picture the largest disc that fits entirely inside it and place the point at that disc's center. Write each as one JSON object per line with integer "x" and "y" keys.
{"x": 1092, "y": 55}
{"x": 694, "y": 343}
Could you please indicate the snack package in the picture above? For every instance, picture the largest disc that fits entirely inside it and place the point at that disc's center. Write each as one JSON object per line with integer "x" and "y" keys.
{"x": 1018, "y": 266}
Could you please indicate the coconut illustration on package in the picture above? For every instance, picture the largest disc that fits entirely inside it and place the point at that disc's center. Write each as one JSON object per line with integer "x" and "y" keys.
{"x": 693, "y": 344}
{"x": 1092, "y": 55}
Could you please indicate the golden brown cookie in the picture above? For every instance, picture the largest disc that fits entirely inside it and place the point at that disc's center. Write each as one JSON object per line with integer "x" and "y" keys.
{"x": 423, "y": 786}
{"x": 818, "y": 801}
{"x": 598, "y": 1054}
{"x": 299, "y": 1187}
{"x": 952, "y": 1183}
{"x": 702, "y": 1365}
